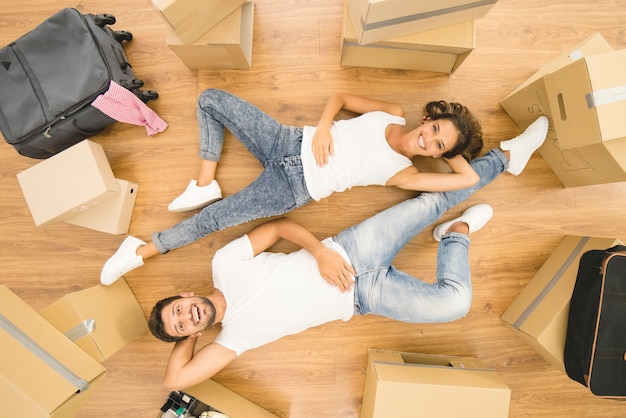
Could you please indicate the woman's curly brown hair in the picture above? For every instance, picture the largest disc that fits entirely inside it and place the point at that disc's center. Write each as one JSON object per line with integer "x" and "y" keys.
{"x": 470, "y": 141}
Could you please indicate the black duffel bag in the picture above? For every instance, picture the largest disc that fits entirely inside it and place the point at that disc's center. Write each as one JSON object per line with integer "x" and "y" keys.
{"x": 595, "y": 343}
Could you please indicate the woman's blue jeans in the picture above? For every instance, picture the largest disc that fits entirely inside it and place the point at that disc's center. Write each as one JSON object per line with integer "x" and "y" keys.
{"x": 279, "y": 189}
{"x": 372, "y": 245}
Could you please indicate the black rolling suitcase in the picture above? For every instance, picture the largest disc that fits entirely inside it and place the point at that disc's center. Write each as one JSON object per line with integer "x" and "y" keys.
{"x": 50, "y": 76}
{"x": 595, "y": 343}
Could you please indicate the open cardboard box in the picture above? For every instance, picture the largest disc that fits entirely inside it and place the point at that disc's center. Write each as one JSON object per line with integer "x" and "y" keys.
{"x": 539, "y": 314}
{"x": 406, "y": 385}
{"x": 217, "y": 397}
{"x": 101, "y": 319}
{"x": 42, "y": 372}
{"x": 440, "y": 50}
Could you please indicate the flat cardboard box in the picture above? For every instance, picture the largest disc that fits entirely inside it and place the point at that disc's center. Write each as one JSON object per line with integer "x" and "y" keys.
{"x": 226, "y": 401}
{"x": 588, "y": 100}
{"x": 113, "y": 215}
{"x": 406, "y": 385}
{"x": 440, "y": 50}
{"x": 376, "y": 20}
{"x": 190, "y": 19}
{"x": 42, "y": 373}
{"x": 227, "y": 46}
{"x": 539, "y": 314}
{"x": 588, "y": 165}
{"x": 529, "y": 100}
{"x": 68, "y": 183}
{"x": 101, "y": 320}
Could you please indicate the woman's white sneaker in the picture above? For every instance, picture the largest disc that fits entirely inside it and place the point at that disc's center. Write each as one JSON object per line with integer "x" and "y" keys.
{"x": 522, "y": 146}
{"x": 475, "y": 217}
{"x": 196, "y": 197}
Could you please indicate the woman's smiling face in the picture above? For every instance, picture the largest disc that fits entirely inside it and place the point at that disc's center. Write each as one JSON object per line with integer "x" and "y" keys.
{"x": 432, "y": 138}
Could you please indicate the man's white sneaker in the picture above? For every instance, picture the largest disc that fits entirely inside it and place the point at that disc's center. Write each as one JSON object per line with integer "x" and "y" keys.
{"x": 124, "y": 260}
{"x": 522, "y": 146}
{"x": 196, "y": 197}
{"x": 475, "y": 217}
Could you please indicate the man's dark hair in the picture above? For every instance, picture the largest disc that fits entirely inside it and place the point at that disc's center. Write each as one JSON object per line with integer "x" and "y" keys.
{"x": 155, "y": 323}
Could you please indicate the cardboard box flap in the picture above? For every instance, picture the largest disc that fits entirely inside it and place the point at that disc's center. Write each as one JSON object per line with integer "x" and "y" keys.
{"x": 43, "y": 364}
{"x": 474, "y": 379}
{"x": 217, "y": 396}
{"x": 118, "y": 317}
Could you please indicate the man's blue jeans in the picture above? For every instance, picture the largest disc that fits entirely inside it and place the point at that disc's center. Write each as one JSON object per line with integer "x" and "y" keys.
{"x": 372, "y": 245}
{"x": 279, "y": 189}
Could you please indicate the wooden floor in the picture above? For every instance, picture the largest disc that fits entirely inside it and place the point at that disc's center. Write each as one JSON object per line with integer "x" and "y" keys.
{"x": 320, "y": 373}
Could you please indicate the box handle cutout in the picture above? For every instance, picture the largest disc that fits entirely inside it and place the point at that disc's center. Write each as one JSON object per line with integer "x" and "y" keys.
{"x": 559, "y": 98}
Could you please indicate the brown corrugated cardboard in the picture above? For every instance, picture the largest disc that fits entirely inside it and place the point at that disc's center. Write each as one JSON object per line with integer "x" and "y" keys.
{"x": 118, "y": 319}
{"x": 113, "y": 215}
{"x": 539, "y": 313}
{"x": 226, "y": 401}
{"x": 376, "y": 20}
{"x": 588, "y": 100}
{"x": 68, "y": 183}
{"x": 529, "y": 101}
{"x": 406, "y": 385}
{"x": 32, "y": 383}
{"x": 227, "y": 46}
{"x": 439, "y": 50}
{"x": 190, "y": 19}
{"x": 584, "y": 166}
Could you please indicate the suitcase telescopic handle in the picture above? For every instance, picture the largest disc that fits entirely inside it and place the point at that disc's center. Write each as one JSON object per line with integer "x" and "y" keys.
{"x": 121, "y": 59}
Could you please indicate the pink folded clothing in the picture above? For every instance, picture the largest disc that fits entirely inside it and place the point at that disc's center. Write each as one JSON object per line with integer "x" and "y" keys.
{"x": 122, "y": 105}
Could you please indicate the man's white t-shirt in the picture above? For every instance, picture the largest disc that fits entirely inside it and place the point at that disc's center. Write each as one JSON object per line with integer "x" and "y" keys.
{"x": 362, "y": 156}
{"x": 273, "y": 294}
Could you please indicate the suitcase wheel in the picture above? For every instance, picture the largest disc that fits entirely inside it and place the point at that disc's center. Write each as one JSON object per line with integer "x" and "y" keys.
{"x": 104, "y": 19}
{"x": 131, "y": 84}
{"x": 147, "y": 95}
{"x": 122, "y": 35}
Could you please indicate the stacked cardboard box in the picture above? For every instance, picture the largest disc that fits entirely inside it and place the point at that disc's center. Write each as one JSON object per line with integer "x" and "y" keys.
{"x": 77, "y": 186}
{"x": 209, "y": 34}
{"x": 405, "y": 34}
{"x": 582, "y": 93}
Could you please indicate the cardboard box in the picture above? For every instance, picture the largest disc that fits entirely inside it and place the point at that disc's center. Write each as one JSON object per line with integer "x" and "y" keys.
{"x": 539, "y": 314}
{"x": 439, "y": 50}
{"x": 113, "y": 215}
{"x": 399, "y": 384}
{"x": 42, "y": 373}
{"x": 376, "y": 20}
{"x": 190, "y": 19}
{"x": 101, "y": 320}
{"x": 588, "y": 100}
{"x": 529, "y": 101}
{"x": 68, "y": 183}
{"x": 227, "y": 46}
{"x": 584, "y": 166}
{"x": 226, "y": 401}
